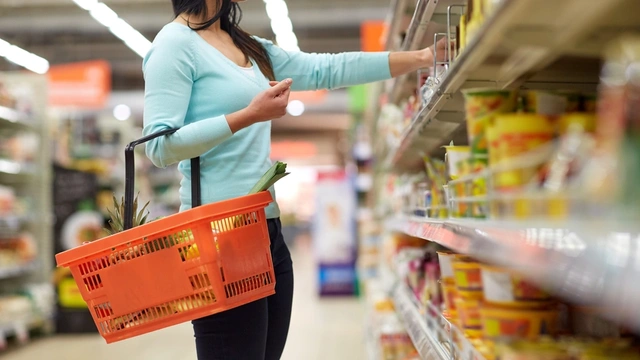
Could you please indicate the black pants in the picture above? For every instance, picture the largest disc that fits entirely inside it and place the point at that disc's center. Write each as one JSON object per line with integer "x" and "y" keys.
{"x": 258, "y": 330}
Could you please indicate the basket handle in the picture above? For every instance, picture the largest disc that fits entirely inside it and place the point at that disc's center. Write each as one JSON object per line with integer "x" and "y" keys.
{"x": 129, "y": 175}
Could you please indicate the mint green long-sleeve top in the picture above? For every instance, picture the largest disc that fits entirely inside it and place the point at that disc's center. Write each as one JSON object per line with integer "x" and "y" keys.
{"x": 190, "y": 85}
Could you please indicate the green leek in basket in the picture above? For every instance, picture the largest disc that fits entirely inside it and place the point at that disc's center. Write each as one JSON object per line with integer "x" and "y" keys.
{"x": 277, "y": 172}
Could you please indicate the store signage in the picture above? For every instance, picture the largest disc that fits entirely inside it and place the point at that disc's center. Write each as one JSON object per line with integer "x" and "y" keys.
{"x": 281, "y": 150}
{"x": 372, "y": 35}
{"x": 85, "y": 85}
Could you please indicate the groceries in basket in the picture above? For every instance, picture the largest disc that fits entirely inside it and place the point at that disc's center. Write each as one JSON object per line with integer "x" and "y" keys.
{"x": 210, "y": 259}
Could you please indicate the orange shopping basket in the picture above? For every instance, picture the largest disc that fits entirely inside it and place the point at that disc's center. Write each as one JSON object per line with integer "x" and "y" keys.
{"x": 199, "y": 262}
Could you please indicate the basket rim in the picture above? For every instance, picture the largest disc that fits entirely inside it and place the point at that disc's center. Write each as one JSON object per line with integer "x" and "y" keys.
{"x": 218, "y": 209}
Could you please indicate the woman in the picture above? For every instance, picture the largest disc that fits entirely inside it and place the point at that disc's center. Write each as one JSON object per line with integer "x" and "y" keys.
{"x": 223, "y": 88}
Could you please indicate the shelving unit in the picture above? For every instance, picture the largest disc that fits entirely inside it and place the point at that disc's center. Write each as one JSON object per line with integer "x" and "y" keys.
{"x": 527, "y": 45}
{"x": 581, "y": 262}
{"x": 423, "y": 339}
{"x": 432, "y": 335}
{"x": 14, "y": 271}
{"x": 31, "y": 182}
{"x": 538, "y": 44}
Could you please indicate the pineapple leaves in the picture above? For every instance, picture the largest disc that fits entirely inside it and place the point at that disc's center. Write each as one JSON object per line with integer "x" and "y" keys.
{"x": 141, "y": 217}
{"x": 116, "y": 222}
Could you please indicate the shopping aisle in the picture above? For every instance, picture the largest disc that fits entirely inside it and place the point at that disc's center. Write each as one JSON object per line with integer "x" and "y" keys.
{"x": 321, "y": 329}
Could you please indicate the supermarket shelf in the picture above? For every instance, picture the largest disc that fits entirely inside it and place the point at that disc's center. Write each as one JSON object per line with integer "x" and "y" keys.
{"x": 538, "y": 43}
{"x": 13, "y": 118}
{"x": 16, "y": 271}
{"x": 20, "y": 329}
{"x": 10, "y": 225}
{"x": 429, "y": 18}
{"x": 397, "y": 11}
{"x": 415, "y": 322}
{"x": 10, "y": 167}
{"x": 585, "y": 262}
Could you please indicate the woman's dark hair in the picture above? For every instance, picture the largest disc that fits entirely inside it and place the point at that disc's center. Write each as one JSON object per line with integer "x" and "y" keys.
{"x": 229, "y": 15}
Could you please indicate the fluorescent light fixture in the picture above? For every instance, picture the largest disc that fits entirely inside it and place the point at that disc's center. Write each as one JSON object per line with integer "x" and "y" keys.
{"x": 104, "y": 15}
{"x": 116, "y": 25}
{"x": 86, "y": 4}
{"x": 277, "y": 9}
{"x": 281, "y": 25}
{"x": 287, "y": 40}
{"x": 23, "y": 58}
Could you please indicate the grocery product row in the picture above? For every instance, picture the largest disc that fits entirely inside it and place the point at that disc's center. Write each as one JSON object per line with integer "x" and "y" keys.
{"x": 454, "y": 306}
{"x": 516, "y": 160}
{"x": 501, "y": 44}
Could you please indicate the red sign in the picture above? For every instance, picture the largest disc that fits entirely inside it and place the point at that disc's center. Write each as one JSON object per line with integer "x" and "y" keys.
{"x": 80, "y": 85}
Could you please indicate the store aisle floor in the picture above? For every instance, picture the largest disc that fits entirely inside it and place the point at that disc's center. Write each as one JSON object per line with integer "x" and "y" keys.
{"x": 321, "y": 329}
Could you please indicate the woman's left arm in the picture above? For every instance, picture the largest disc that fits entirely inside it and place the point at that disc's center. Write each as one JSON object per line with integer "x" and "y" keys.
{"x": 332, "y": 71}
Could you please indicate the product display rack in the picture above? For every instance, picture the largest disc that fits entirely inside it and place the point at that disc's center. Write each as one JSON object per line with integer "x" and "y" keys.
{"x": 32, "y": 182}
{"x": 514, "y": 47}
{"x": 589, "y": 260}
{"x": 569, "y": 259}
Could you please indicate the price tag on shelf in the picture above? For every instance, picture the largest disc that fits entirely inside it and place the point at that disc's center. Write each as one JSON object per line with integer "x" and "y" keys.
{"x": 424, "y": 231}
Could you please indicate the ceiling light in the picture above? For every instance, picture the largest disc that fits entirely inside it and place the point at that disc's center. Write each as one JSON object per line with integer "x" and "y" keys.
{"x": 282, "y": 26}
{"x": 277, "y": 9}
{"x": 295, "y": 108}
{"x": 23, "y": 58}
{"x": 86, "y": 4}
{"x": 116, "y": 25}
{"x": 122, "y": 112}
{"x": 288, "y": 41}
{"x": 104, "y": 15}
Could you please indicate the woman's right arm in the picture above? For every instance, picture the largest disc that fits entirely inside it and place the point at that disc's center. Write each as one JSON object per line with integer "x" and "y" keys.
{"x": 170, "y": 68}
{"x": 169, "y": 71}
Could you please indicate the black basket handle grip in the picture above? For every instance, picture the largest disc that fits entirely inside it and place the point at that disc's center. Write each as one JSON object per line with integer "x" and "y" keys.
{"x": 129, "y": 174}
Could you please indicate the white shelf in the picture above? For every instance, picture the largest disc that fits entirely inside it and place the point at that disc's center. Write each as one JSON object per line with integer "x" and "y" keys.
{"x": 585, "y": 262}
{"x": 17, "y": 270}
{"x": 538, "y": 43}
{"x": 12, "y": 118}
{"x": 426, "y": 328}
{"x": 21, "y": 328}
{"x": 416, "y": 324}
{"x": 10, "y": 167}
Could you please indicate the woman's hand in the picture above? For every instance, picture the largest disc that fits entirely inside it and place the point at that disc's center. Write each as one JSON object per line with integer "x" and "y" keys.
{"x": 409, "y": 61}
{"x": 268, "y": 105}
{"x": 440, "y": 50}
